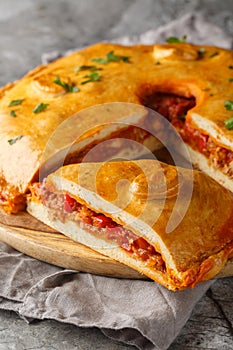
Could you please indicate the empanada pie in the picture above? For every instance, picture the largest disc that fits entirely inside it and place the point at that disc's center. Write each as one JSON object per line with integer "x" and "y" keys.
{"x": 189, "y": 85}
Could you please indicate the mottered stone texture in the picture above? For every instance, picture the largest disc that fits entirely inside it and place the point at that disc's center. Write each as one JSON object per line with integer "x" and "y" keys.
{"x": 29, "y": 28}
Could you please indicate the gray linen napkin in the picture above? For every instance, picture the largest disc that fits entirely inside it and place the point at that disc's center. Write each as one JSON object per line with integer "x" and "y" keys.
{"x": 140, "y": 313}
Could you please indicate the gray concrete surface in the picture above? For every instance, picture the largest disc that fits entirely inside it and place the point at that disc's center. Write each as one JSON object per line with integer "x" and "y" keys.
{"x": 27, "y": 29}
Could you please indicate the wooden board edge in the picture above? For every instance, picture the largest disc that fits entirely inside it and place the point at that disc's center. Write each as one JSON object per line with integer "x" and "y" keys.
{"x": 59, "y": 250}
{"x": 56, "y": 249}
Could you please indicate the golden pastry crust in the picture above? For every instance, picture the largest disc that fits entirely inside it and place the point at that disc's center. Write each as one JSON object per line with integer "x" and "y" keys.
{"x": 199, "y": 242}
{"x": 174, "y": 68}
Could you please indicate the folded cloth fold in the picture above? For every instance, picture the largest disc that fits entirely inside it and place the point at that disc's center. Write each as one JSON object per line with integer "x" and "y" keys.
{"x": 140, "y": 313}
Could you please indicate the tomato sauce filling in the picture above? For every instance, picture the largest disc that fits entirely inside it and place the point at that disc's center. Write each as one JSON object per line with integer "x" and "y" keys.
{"x": 175, "y": 108}
{"x": 109, "y": 149}
{"x": 64, "y": 206}
{"x": 10, "y": 199}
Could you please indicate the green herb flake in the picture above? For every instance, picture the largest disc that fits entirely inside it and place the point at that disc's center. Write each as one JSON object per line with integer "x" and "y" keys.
{"x": 228, "y": 105}
{"x": 206, "y": 89}
{"x": 93, "y": 76}
{"x": 16, "y": 102}
{"x": 230, "y": 67}
{"x": 157, "y": 63}
{"x": 229, "y": 123}
{"x": 14, "y": 140}
{"x": 67, "y": 87}
{"x": 211, "y": 94}
{"x": 230, "y": 80}
{"x": 100, "y": 60}
{"x": 85, "y": 67}
{"x": 201, "y": 51}
{"x": 175, "y": 40}
{"x": 111, "y": 57}
{"x": 40, "y": 107}
{"x": 213, "y": 54}
{"x": 181, "y": 117}
{"x": 125, "y": 59}
{"x": 12, "y": 114}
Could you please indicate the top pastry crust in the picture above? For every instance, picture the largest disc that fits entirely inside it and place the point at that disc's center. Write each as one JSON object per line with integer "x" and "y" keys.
{"x": 181, "y": 69}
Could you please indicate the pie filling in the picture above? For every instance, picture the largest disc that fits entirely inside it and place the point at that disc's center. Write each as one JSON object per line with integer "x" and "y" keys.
{"x": 10, "y": 198}
{"x": 112, "y": 148}
{"x": 64, "y": 207}
{"x": 175, "y": 108}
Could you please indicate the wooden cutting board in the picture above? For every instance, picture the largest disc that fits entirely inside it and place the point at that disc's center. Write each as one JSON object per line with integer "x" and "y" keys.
{"x": 31, "y": 237}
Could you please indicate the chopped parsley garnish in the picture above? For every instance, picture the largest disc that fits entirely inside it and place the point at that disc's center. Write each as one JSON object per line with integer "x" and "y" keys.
{"x": 211, "y": 94}
{"x": 67, "y": 87}
{"x": 175, "y": 40}
{"x": 40, "y": 107}
{"x": 229, "y": 123}
{"x": 201, "y": 52}
{"x": 16, "y": 102}
{"x": 230, "y": 80}
{"x": 93, "y": 76}
{"x": 14, "y": 140}
{"x": 230, "y": 67}
{"x": 228, "y": 105}
{"x": 12, "y": 114}
{"x": 181, "y": 117}
{"x": 111, "y": 57}
{"x": 215, "y": 53}
{"x": 157, "y": 63}
{"x": 206, "y": 89}
{"x": 84, "y": 67}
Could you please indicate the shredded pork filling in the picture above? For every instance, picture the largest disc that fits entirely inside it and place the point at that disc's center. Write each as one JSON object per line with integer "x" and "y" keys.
{"x": 64, "y": 207}
{"x": 175, "y": 108}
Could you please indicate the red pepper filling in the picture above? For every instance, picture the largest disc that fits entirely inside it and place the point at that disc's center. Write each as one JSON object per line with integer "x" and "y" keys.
{"x": 172, "y": 107}
{"x": 63, "y": 205}
{"x": 124, "y": 237}
{"x": 175, "y": 108}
